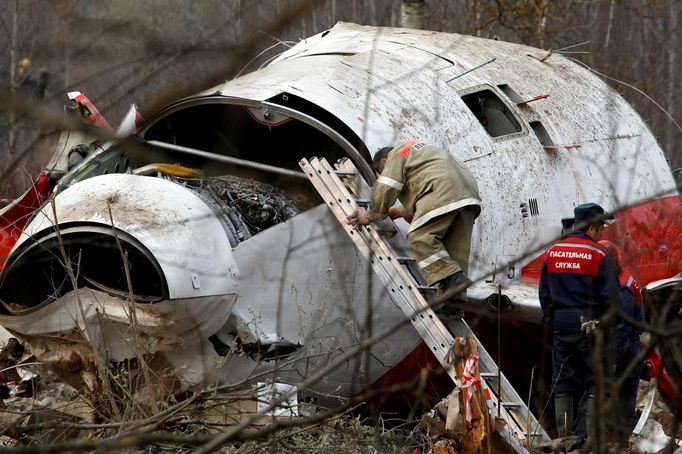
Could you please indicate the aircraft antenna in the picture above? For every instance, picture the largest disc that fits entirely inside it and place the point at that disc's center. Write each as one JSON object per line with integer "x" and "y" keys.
{"x": 471, "y": 69}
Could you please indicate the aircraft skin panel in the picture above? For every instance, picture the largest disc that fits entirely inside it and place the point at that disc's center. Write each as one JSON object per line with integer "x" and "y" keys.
{"x": 165, "y": 217}
{"x": 524, "y": 306}
{"x": 308, "y": 286}
{"x": 598, "y": 118}
{"x": 348, "y": 38}
{"x": 384, "y": 96}
{"x": 172, "y": 324}
{"x": 320, "y": 305}
{"x": 88, "y": 327}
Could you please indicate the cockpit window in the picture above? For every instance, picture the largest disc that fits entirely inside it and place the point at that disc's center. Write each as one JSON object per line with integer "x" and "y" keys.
{"x": 493, "y": 114}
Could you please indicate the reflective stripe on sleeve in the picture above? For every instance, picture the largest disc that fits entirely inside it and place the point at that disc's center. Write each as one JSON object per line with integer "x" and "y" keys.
{"x": 434, "y": 258}
{"x": 390, "y": 182}
{"x": 442, "y": 210}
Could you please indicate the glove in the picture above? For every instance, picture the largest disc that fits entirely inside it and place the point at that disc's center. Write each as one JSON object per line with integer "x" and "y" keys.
{"x": 588, "y": 325}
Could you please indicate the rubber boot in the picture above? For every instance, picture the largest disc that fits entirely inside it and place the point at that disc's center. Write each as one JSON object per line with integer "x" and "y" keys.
{"x": 563, "y": 411}
{"x": 453, "y": 308}
{"x": 450, "y": 310}
{"x": 590, "y": 416}
{"x": 457, "y": 280}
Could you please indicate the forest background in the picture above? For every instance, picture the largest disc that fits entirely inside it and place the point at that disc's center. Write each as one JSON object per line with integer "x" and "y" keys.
{"x": 154, "y": 51}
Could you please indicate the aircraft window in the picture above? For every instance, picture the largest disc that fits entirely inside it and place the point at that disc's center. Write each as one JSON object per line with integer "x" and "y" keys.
{"x": 492, "y": 113}
{"x": 511, "y": 94}
{"x": 541, "y": 132}
{"x": 677, "y": 174}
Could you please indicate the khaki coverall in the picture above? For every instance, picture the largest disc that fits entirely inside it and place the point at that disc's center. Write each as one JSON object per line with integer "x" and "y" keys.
{"x": 440, "y": 200}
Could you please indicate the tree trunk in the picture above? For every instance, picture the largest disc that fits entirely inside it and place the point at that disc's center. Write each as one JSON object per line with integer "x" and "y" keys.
{"x": 372, "y": 19}
{"x": 476, "y": 8}
{"x": 672, "y": 72}
{"x": 12, "y": 80}
{"x": 540, "y": 7}
{"x": 412, "y": 14}
{"x": 332, "y": 13}
{"x": 237, "y": 19}
{"x": 607, "y": 38}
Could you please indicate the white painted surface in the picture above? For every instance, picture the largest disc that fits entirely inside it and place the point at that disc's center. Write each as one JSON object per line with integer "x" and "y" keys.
{"x": 390, "y": 84}
{"x": 177, "y": 227}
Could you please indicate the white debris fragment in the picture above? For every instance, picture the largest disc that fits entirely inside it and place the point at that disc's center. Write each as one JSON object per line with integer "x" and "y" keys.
{"x": 272, "y": 392}
{"x": 652, "y": 439}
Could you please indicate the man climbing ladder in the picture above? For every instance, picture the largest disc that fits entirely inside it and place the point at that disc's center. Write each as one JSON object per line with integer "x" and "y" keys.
{"x": 440, "y": 200}
{"x": 381, "y": 247}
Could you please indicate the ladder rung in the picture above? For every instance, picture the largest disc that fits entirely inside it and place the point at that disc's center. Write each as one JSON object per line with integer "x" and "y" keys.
{"x": 362, "y": 202}
{"x": 534, "y": 434}
{"x": 389, "y": 232}
{"x": 345, "y": 173}
{"x": 489, "y": 375}
{"x": 404, "y": 258}
{"x": 426, "y": 288}
{"x": 509, "y": 405}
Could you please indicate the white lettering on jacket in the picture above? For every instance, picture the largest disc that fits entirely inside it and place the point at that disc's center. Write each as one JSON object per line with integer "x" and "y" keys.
{"x": 567, "y": 265}
{"x": 570, "y": 255}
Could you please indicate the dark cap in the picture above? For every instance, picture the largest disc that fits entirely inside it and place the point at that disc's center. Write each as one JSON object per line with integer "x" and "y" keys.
{"x": 590, "y": 212}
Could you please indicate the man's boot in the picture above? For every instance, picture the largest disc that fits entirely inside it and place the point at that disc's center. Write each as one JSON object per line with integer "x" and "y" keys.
{"x": 454, "y": 281}
{"x": 590, "y": 413}
{"x": 453, "y": 307}
{"x": 563, "y": 412}
{"x": 450, "y": 310}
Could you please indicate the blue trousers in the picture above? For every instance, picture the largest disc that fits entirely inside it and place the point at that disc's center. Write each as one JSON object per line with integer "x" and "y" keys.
{"x": 572, "y": 359}
{"x": 628, "y": 394}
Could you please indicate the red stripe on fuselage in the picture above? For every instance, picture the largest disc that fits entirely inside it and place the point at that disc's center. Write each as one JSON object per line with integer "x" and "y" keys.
{"x": 419, "y": 364}
{"x": 14, "y": 217}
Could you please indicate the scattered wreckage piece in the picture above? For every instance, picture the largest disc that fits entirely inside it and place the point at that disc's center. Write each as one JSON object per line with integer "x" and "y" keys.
{"x": 646, "y": 411}
{"x": 15, "y": 377}
{"x": 463, "y": 419}
{"x": 100, "y": 346}
{"x": 664, "y": 303}
{"x": 23, "y": 414}
{"x": 465, "y": 411}
{"x": 475, "y": 411}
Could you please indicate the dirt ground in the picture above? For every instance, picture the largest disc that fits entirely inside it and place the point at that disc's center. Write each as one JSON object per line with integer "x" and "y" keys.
{"x": 52, "y": 414}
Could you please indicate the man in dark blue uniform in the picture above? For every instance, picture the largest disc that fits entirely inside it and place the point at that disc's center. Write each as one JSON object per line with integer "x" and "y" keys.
{"x": 627, "y": 339}
{"x": 578, "y": 279}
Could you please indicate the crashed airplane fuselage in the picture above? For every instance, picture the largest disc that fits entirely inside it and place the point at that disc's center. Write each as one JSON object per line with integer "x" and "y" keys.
{"x": 239, "y": 269}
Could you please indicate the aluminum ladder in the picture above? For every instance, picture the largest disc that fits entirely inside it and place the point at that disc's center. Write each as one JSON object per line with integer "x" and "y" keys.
{"x": 397, "y": 272}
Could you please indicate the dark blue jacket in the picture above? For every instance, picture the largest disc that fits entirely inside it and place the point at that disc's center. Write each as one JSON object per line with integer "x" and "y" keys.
{"x": 631, "y": 300}
{"x": 578, "y": 278}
